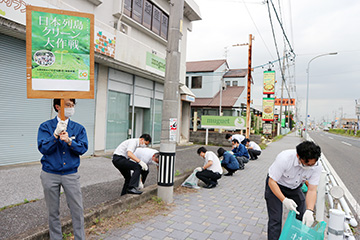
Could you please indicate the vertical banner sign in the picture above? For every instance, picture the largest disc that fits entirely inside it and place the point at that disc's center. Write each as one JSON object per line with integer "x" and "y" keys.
{"x": 60, "y": 53}
{"x": 173, "y": 128}
{"x": 269, "y": 82}
{"x": 268, "y": 109}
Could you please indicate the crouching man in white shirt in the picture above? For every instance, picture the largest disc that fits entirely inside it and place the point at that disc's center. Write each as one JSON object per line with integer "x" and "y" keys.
{"x": 211, "y": 171}
{"x": 150, "y": 157}
{"x": 287, "y": 174}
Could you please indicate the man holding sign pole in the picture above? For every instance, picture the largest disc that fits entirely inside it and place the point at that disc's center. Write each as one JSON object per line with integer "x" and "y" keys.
{"x": 62, "y": 142}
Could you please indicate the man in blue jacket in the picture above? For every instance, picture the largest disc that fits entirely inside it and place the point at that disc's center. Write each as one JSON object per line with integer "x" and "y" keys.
{"x": 240, "y": 151}
{"x": 229, "y": 161}
{"x": 62, "y": 143}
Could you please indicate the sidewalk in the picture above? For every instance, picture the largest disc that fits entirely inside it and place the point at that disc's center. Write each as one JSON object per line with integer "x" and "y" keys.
{"x": 235, "y": 209}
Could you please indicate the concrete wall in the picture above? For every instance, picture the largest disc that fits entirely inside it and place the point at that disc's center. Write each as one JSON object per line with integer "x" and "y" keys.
{"x": 216, "y": 138}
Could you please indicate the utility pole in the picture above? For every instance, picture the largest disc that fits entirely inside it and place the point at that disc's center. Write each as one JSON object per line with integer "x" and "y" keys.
{"x": 248, "y": 117}
{"x": 170, "y": 104}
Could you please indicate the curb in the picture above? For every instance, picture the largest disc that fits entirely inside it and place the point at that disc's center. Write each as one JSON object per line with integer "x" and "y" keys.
{"x": 103, "y": 210}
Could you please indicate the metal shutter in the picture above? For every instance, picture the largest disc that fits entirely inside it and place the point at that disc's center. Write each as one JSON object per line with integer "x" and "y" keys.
{"x": 20, "y": 117}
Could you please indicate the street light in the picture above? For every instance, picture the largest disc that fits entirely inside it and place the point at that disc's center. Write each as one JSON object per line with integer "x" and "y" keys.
{"x": 307, "y": 88}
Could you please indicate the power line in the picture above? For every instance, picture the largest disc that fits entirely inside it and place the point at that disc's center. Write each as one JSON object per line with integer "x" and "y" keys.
{"x": 281, "y": 25}
{"x": 257, "y": 28}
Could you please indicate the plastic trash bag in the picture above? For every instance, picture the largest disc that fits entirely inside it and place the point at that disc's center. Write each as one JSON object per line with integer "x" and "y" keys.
{"x": 191, "y": 181}
{"x": 304, "y": 188}
{"x": 295, "y": 230}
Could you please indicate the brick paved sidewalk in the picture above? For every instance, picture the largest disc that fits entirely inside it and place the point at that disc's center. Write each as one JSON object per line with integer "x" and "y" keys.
{"x": 235, "y": 209}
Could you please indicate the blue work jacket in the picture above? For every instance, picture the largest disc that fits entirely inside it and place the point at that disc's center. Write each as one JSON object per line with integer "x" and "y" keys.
{"x": 230, "y": 161}
{"x": 58, "y": 156}
{"x": 241, "y": 151}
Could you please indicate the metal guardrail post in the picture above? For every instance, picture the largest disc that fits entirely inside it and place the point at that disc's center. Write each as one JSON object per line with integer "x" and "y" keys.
{"x": 336, "y": 225}
{"x": 320, "y": 200}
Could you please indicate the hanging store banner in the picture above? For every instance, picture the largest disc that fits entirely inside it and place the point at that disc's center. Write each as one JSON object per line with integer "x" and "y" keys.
{"x": 60, "y": 53}
{"x": 269, "y": 82}
{"x": 268, "y": 109}
{"x": 223, "y": 122}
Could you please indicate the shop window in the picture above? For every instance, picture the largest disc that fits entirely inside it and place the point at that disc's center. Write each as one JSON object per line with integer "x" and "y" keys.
{"x": 196, "y": 82}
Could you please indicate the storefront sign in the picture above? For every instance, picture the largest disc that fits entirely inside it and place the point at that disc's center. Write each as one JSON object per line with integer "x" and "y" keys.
{"x": 60, "y": 56}
{"x": 267, "y": 128}
{"x": 155, "y": 64}
{"x": 224, "y": 122}
{"x": 269, "y": 82}
{"x": 285, "y": 102}
{"x": 268, "y": 109}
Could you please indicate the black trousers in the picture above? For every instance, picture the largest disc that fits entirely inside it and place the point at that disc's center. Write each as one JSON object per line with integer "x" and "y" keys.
{"x": 254, "y": 153}
{"x": 124, "y": 165}
{"x": 275, "y": 208}
{"x": 208, "y": 176}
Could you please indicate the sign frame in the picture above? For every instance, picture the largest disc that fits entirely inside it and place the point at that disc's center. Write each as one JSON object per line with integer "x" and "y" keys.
{"x": 223, "y": 122}
{"x": 269, "y": 82}
{"x": 51, "y": 94}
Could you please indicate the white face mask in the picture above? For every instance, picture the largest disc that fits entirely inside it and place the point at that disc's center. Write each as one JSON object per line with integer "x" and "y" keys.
{"x": 305, "y": 167}
{"x": 69, "y": 112}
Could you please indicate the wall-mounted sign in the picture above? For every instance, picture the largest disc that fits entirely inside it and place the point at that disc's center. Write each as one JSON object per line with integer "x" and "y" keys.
{"x": 155, "y": 64}
{"x": 60, "y": 53}
{"x": 268, "y": 109}
{"x": 285, "y": 102}
{"x": 269, "y": 82}
{"x": 173, "y": 129}
{"x": 224, "y": 122}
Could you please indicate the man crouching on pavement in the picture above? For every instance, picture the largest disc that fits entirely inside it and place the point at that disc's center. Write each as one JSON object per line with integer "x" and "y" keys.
{"x": 211, "y": 171}
{"x": 287, "y": 174}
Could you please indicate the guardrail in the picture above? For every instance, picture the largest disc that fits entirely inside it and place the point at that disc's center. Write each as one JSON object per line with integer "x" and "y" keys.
{"x": 339, "y": 212}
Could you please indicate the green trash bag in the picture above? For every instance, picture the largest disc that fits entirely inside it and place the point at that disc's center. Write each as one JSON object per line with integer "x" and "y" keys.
{"x": 304, "y": 188}
{"x": 295, "y": 230}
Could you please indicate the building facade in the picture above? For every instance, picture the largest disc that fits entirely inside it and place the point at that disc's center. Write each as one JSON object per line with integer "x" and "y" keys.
{"x": 130, "y": 40}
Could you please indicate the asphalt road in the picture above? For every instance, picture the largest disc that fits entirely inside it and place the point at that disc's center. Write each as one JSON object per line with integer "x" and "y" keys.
{"x": 343, "y": 154}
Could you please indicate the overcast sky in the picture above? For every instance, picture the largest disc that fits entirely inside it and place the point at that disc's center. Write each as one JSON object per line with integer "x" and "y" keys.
{"x": 312, "y": 27}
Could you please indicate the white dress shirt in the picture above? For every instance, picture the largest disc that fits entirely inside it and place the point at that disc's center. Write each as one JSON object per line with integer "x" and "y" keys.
{"x": 127, "y": 145}
{"x": 145, "y": 155}
{"x": 254, "y": 146}
{"x": 287, "y": 171}
{"x": 216, "y": 166}
{"x": 238, "y": 137}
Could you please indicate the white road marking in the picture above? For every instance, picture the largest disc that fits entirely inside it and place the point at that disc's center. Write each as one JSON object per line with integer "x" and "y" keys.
{"x": 346, "y": 143}
{"x": 331, "y": 138}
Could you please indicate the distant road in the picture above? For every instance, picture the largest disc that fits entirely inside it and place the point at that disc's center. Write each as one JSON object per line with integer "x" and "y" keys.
{"x": 343, "y": 154}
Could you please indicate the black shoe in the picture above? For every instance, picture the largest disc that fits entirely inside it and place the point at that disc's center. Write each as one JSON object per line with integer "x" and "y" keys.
{"x": 134, "y": 191}
{"x": 228, "y": 174}
{"x": 210, "y": 185}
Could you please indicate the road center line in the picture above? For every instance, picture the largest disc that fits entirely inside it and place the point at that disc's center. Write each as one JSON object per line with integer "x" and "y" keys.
{"x": 346, "y": 143}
